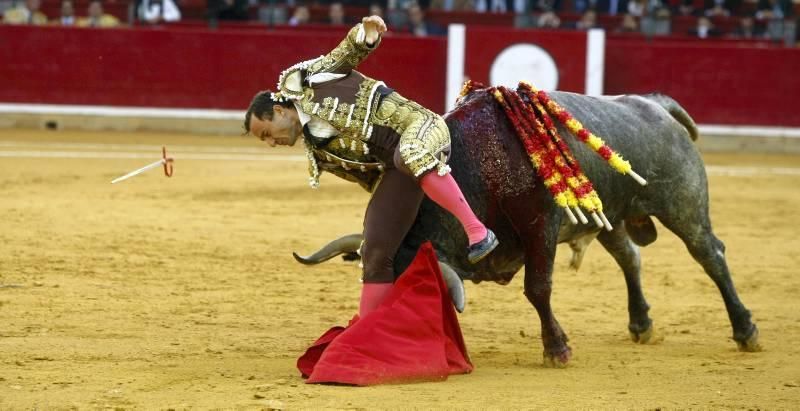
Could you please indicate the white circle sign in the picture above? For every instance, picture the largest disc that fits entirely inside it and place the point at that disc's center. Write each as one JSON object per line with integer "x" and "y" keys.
{"x": 524, "y": 62}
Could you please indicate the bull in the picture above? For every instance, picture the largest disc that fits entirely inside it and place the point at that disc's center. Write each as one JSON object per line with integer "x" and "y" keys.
{"x": 490, "y": 164}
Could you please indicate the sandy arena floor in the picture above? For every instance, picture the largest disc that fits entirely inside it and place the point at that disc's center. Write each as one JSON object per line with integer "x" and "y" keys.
{"x": 182, "y": 292}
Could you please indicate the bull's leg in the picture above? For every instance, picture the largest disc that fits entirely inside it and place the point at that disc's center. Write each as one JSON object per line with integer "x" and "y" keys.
{"x": 709, "y": 251}
{"x": 626, "y": 253}
{"x": 540, "y": 249}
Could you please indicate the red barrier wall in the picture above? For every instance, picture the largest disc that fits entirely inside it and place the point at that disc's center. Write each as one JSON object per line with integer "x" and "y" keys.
{"x": 717, "y": 82}
{"x": 190, "y": 68}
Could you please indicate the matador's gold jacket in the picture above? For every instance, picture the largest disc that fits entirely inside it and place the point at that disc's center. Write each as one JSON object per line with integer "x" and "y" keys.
{"x": 338, "y": 102}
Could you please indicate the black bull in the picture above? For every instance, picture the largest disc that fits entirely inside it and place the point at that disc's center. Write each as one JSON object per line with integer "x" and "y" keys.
{"x": 490, "y": 164}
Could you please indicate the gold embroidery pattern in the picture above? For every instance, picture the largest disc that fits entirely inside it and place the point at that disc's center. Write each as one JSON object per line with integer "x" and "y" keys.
{"x": 349, "y": 148}
{"x": 293, "y": 74}
{"x": 365, "y": 91}
{"x": 345, "y": 57}
{"x": 325, "y": 108}
{"x": 365, "y": 171}
{"x": 423, "y": 134}
{"x": 355, "y": 127}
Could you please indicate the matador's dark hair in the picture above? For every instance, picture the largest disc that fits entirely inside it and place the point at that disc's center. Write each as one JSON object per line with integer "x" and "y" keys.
{"x": 261, "y": 107}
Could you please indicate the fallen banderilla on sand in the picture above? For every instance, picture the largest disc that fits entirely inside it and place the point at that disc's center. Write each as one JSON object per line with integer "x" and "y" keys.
{"x": 167, "y": 162}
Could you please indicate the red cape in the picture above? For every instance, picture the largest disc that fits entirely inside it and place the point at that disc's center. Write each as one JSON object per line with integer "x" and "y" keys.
{"x": 413, "y": 335}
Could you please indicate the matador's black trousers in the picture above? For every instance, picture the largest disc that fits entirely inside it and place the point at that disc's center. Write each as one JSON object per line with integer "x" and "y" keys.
{"x": 408, "y": 152}
{"x": 391, "y": 211}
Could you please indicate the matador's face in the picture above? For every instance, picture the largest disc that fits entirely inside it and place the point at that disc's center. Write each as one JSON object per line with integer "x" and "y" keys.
{"x": 282, "y": 130}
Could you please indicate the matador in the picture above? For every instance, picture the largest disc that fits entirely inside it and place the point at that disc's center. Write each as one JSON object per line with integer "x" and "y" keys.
{"x": 360, "y": 129}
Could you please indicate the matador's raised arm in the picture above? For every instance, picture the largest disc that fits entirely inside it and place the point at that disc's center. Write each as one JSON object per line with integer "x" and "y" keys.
{"x": 347, "y": 55}
{"x": 360, "y": 41}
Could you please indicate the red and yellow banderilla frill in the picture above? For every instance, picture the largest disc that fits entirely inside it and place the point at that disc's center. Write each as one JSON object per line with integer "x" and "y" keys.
{"x": 529, "y": 111}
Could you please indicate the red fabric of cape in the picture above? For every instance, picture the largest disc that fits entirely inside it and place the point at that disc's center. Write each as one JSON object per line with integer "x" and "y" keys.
{"x": 413, "y": 335}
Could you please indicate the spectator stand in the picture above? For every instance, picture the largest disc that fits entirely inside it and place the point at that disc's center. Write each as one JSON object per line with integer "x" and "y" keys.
{"x": 265, "y": 13}
{"x": 116, "y": 8}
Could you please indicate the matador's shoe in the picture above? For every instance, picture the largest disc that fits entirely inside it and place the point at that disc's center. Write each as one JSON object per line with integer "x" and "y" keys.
{"x": 482, "y": 248}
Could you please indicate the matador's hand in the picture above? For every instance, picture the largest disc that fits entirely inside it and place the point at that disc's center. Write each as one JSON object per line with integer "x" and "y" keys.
{"x": 373, "y": 27}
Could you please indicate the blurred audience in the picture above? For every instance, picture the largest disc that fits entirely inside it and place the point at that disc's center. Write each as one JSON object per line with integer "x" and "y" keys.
{"x": 548, "y": 20}
{"x": 747, "y": 29}
{"x": 720, "y": 8}
{"x": 704, "y": 29}
{"x": 653, "y": 8}
{"x": 158, "y": 11}
{"x": 684, "y": 8}
{"x": 375, "y": 9}
{"x": 637, "y": 8}
{"x": 300, "y": 16}
{"x": 546, "y": 5}
{"x": 336, "y": 14}
{"x": 775, "y": 17}
{"x": 272, "y": 12}
{"x": 628, "y": 24}
{"x": 67, "y": 17}
{"x": 397, "y": 12}
{"x": 580, "y": 6}
{"x": 774, "y": 9}
{"x": 227, "y": 9}
{"x": 25, "y": 13}
{"x": 453, "y": 5}
{"x": 588, "y": 20}
{"x": 611, "y": 7}
{"x": 772, "y": 19}
{"x": 654, "y": 17}
{"x": 96, "y": 17}
{"x": 419, "y": 26}
{"x": 499, "y": 6}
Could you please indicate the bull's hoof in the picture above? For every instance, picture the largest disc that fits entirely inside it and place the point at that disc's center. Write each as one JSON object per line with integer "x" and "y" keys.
{"x": 644, "y": 333}
{"x": 646, "y": 336}
{"x": 559, "y": 360}
{"x": 750, "y": 344}
{"x": 642, "y": 337}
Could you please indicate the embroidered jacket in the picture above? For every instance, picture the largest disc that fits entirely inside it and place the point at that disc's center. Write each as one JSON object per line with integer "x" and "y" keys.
{"x": 335, "y": 103}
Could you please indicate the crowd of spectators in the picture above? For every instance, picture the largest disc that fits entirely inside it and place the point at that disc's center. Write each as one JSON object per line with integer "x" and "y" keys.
{"x": 30, "y": 12}
{"x": 764, "y": 19}
{"x": 745, "y": 19}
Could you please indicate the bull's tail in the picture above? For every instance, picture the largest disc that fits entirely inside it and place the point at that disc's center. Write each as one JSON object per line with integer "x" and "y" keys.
{"x": 677, "y": 112}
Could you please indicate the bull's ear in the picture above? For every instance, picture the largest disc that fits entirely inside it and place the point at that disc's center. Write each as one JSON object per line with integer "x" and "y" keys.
{"x": 455, "y": 286}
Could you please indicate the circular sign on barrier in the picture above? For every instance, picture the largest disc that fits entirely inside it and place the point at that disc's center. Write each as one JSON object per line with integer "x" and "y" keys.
{"x": 523, "y": 61}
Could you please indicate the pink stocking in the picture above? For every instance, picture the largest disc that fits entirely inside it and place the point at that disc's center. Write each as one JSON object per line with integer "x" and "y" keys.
{"x": 371, "y": 296}
{"x": 444, "y": 191}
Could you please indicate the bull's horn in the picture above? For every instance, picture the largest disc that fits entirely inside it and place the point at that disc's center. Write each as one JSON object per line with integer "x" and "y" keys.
{"x": 455, "y": 286}
{"x": 346, "y": 244}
